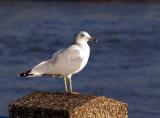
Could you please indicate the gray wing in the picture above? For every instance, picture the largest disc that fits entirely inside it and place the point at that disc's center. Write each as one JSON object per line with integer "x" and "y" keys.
{"x": 62, "y": 62}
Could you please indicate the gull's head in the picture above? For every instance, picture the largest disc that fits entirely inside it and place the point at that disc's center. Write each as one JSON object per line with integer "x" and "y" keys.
{"x": 84, "y": 37}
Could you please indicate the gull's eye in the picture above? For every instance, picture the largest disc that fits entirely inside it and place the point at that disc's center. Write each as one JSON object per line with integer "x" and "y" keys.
{"x": 82, "y": 35}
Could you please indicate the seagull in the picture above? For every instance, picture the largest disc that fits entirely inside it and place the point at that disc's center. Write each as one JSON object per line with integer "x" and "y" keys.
{"x": 65, "y": 62}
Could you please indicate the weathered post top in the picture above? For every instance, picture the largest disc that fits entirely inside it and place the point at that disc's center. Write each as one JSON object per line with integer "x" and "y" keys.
{"x": 59, "y": 105}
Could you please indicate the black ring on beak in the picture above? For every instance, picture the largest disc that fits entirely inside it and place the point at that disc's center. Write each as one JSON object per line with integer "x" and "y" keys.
{"x": 93, "y": 39}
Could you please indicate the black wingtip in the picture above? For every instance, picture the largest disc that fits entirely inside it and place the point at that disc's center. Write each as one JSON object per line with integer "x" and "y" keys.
{"x": 22, "y": 75}
{"x": 25, "y": 74}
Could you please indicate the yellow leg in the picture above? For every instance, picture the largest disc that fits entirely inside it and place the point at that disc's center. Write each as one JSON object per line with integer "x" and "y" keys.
{"x": 65, "y": 84}
{"x": 70, "y": 84}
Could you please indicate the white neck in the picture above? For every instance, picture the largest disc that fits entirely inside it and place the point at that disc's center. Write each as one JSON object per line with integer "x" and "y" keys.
{"x": 77, "y": 42}
{"x": 84, "y": 46}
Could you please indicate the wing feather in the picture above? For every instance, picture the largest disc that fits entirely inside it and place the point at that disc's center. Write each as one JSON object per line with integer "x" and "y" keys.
{"x": 62, "y": 62}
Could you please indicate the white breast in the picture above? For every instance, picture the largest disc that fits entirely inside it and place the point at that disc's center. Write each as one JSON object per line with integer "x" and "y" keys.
{"x": 85, "y": 52}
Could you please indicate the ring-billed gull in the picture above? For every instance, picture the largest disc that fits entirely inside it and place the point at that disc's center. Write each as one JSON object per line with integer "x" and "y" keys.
{"x": 65, "y": 62}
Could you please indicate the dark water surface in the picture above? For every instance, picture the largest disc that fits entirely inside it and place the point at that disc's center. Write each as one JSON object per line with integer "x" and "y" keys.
{"x": 124, "y": 63}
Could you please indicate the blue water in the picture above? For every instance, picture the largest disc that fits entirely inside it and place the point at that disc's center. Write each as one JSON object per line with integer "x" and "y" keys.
{"x": 124, "y": 64}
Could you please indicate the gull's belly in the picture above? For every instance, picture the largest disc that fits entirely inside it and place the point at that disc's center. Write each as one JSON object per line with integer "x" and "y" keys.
{"x": 79, "y": 67}
{"x": 74, "y": 67}
{"x": 67, "y": 68}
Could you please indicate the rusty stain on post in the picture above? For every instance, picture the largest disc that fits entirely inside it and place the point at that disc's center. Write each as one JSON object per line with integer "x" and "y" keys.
{"x": 59, "y": 105}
